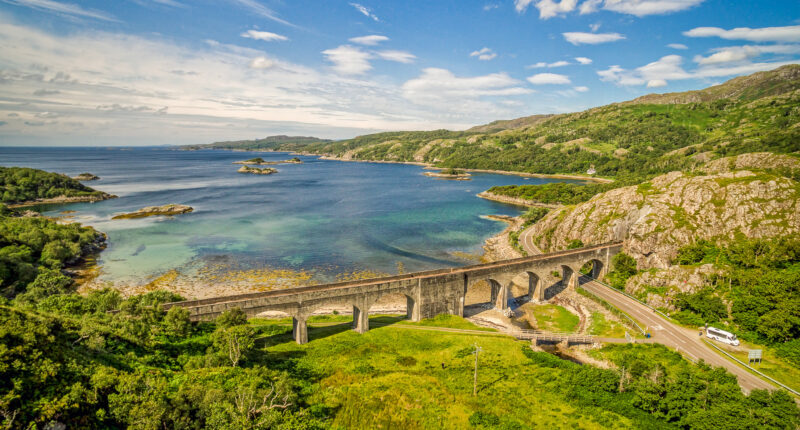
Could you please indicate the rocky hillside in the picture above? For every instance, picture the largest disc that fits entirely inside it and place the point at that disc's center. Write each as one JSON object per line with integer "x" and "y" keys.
{"x": 634, "y": 141}
{"x": 745, "y": 196}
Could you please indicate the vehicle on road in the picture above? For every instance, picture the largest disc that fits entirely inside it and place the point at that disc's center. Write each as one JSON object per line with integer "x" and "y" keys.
{"x": 722, "y": 336}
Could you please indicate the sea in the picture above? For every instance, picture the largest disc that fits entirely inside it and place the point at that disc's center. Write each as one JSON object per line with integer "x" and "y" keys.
{"x": 324, "y": 218}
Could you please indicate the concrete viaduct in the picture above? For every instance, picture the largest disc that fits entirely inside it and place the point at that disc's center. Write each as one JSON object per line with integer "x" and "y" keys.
{"x": 427, "y": 293}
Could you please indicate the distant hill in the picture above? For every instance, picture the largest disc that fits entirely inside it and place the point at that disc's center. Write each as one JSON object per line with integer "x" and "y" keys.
{"x": 270, "y": 143}
{"x": 632, "y": 141}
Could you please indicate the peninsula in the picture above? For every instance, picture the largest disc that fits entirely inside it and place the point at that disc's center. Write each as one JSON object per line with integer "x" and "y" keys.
{"x": 21, "y": 186}
{"x": 86, "y": 177}
{"x": 168, "y": 210}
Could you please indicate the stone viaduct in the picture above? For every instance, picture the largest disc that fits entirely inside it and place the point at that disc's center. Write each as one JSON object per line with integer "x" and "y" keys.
{"x": 427, "y": 293}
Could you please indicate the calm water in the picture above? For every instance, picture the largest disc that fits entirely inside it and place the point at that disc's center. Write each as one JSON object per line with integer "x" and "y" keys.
{"x": 329, "y": 217}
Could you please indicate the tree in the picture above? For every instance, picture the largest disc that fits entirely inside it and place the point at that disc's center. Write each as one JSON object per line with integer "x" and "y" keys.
{"x": 176, "y": 322}
{"x": 231, "y": 318}
{"x": 234, "y": 342}
{"x": 48, "y": 283}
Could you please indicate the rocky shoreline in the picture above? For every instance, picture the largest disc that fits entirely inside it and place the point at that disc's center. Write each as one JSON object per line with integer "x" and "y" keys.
{"x": 63, "y": 200}
{"x": 261, "y": 162}
{"x": 168, "y": 210}
{"x": 515, "y": 200}
{"x": 454, "y": 177}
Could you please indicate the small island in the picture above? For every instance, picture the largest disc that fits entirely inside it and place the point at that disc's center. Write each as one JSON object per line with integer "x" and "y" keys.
{"x": 257, "y": 171}
{"x": 86, "y": 177}
{"x": 452, "y": 174}
{"x": 168, "y": 210}
{"x": 258, "y": 161}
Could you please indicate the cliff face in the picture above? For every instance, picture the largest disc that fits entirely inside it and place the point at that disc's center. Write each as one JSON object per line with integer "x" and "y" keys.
{"x": 658, "y": 217}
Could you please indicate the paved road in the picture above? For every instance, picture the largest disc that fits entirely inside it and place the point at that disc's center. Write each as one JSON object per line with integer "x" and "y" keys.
{"x": 671, "y": 335}
{"x": 526, "y": 240}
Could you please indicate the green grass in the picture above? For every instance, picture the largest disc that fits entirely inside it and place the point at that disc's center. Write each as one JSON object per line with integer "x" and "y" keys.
{"x": 771, "y": 364}
{"x": 449, "y": 321}
{"x": 555, "y": 318}
{"x": 396, "y": 378}
{"x": 603, "y": 327}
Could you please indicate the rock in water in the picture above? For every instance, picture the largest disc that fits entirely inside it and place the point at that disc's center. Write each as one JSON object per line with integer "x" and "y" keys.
{"x": 171, "y": 209}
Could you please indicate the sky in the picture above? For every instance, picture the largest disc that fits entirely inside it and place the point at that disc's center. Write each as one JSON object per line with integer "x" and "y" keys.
{"x": 155, "y": 72}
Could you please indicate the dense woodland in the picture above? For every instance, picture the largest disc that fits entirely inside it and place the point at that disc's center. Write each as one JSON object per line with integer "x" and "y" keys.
{"x": 19, "y": 184}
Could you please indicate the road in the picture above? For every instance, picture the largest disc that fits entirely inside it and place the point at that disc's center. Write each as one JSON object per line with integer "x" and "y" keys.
{"x": 526, "y": 241}
{"x": 674, "y": 336}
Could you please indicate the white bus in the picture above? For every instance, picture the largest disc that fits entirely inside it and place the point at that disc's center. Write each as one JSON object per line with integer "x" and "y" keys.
{"x": 722, "y": 336}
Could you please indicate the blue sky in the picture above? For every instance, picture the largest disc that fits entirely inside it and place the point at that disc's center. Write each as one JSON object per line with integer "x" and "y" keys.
{"x": 145, "y": 72}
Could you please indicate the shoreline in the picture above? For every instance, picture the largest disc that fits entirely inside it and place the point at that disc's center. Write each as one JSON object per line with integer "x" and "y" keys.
{"x": 515, "y": 201}
{"x": 62, "y": 200}
{"x": 431, "y": 166}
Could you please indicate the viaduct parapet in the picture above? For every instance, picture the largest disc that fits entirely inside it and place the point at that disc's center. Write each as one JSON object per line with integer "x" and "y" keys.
{"x": 427, "y": 293}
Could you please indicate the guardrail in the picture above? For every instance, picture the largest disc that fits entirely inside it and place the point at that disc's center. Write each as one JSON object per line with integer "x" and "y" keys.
{"x": 552, "y": 336}
{"x": 752, "y": 369}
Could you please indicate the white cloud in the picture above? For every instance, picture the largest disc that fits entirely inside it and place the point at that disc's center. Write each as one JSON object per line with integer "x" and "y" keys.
{"x": 578, "y": 38}
{"x": 590, "y": 6}
{"x": 551, "y": 8}
{"x": 489, "y": 6}
{"x": 649, "y": 7}
{"x": 542, "y": 64}
{"x": 365, "y": 11}
{"x": 522, "y": 5}
{"x": 581, "y": 89}
{"x": 441, "y": 88}
{"x": 583, "y": 60}
{"x": 117, "y": 88}
{"x": 766, "y": 34}
{"x": 263, "y": 35}
{"x": 731, "y": 54}
{"x": 63, "y": 9}
{"x": 656, "y": 83}
{"x": 349, "y": 60}
{"x": 677, "y": 46}
{"x": 669, "y": 68}
{"x": 397, "y": 56}
{"x": 370, "y": 40}
{"x": 549, "y": 79}
{"x": 640, "y": 8}
{"x": 484, "y": 54}
{"x": 261, "y": 63}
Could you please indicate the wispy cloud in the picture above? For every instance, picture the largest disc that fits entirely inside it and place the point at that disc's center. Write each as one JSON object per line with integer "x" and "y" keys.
{"x": 64, "y": 9}
{"x": 670, "y": 68}
{"x": 552, "y": 8}
{"x": 263, "y": 35}
{"x": 549, "y": 79}
{"x": 542, "y": 64}
{"x": 677, "y": 46}
{"x": 580, "y": 38}
{"x": 766, "y": 34}
{"x": 442, "y": 89}
{"x": 261, "y": 10}
{"x": 483, "y": 54}
{"x": 583, "y": 60}
{"x": 370, "y": 40}
{"x": 365, "y": 11}
{"x": 396, "y": 56}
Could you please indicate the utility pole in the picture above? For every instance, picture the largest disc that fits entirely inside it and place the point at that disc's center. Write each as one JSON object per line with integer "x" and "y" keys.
{"x": 475, "y": 377}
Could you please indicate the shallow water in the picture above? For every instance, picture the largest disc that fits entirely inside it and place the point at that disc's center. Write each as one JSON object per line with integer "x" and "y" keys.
{"x": 329, "y": 217}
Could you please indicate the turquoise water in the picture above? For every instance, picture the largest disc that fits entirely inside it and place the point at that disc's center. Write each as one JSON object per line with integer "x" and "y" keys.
{"x": 329, "y": 217}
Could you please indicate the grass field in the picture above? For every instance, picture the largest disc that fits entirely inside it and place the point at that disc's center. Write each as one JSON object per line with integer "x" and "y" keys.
{"x": 554, "y": 318}
{"x": 398, "y": 378}
{"x": 601, "y": 326}
{"x": 771, "y": 364}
